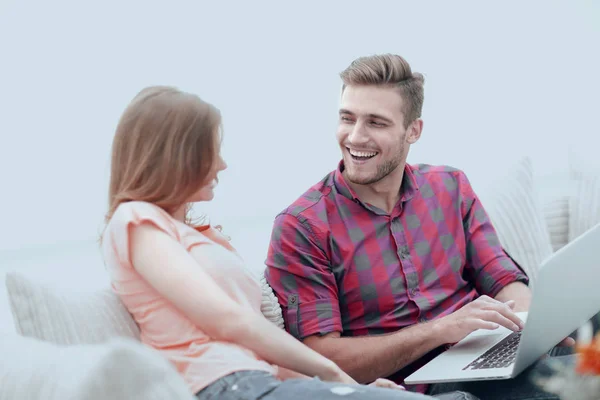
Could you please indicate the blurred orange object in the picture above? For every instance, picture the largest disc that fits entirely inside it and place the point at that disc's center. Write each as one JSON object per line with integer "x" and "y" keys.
{"x": 588, "y": 361}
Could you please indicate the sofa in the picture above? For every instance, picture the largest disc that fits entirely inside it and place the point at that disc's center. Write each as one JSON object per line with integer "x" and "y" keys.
{"x": 83, "y": 344}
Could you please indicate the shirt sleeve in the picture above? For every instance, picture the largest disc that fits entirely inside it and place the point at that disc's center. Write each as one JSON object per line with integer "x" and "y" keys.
{"x": 127, "y": 216}
{"x": 488, "y": 265}
{"x": 298, "y": 270}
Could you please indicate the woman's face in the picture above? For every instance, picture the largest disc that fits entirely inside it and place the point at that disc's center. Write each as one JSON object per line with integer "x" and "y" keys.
{"x": 206, "y": 192}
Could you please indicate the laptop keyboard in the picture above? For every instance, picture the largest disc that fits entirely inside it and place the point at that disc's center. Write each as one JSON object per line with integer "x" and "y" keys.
{"x": 501, "y": 355}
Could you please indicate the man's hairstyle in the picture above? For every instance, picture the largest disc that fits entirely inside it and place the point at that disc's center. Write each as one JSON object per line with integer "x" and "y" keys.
{"x": 389, "y": 70}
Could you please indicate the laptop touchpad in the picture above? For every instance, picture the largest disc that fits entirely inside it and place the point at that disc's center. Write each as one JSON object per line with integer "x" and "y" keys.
{"x": 474, "y": 342}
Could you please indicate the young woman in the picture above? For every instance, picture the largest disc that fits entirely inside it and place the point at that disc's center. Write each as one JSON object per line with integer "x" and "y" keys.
{"x": 185, "y": 285}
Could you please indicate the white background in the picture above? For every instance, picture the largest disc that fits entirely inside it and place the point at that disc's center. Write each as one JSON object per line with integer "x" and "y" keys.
{"x": 502, "y": 80}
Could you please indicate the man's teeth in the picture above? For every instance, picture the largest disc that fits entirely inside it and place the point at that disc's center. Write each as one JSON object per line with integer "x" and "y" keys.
{"x": 362, "y": 153}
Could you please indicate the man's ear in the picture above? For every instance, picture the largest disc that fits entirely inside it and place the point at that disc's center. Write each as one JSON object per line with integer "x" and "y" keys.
{"x": 414, "y": 131}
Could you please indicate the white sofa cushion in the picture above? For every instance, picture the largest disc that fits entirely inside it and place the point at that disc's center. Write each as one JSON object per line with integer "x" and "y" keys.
{"x": 555, "y": 190}
{"x": 556, "y": 213}
{"x": 517, "y": 215}
{"x": 120, "y": 369}
{"x": 69, "y": 317}
{"x": 584, "y": 205}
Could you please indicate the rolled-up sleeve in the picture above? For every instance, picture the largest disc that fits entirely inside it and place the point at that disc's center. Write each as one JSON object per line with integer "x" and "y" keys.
{"x": 487, "y": 263}
{"x": 298, "y": 270}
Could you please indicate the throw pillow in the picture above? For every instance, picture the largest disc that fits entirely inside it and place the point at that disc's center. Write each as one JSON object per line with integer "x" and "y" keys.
{"x": 67, "y": 317}
{"x": 584, "y": 205}
{"x": 556, "y": 213}
{"x": 517, "y": 215}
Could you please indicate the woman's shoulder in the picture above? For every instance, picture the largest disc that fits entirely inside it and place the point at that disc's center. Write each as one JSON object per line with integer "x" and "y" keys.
{"x": 116, "y": 238}
{"x": 136, "y": 212}
{"x": 140, "y": 207}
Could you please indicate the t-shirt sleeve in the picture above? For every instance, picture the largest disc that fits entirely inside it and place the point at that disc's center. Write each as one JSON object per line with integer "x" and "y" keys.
{"x": 116, "y": 239}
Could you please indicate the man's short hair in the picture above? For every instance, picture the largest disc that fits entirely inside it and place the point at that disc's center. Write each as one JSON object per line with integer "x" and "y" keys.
{"x": 388, "y": 70}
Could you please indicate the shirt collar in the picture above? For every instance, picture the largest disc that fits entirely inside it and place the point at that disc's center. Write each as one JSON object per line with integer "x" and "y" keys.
{"x": 411, "y": 182}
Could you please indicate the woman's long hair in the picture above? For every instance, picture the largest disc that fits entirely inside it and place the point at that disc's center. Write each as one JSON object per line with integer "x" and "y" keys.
{"x": 165, "y": 146}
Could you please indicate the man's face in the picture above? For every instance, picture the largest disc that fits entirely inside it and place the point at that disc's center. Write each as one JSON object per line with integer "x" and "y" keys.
{"x": 371, "y": 133}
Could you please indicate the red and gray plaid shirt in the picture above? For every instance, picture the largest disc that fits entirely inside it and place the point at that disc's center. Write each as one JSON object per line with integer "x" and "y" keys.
{"x": 337, "y": 264}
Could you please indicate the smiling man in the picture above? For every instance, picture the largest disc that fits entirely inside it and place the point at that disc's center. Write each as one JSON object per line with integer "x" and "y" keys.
{"x": 382, "y": 265}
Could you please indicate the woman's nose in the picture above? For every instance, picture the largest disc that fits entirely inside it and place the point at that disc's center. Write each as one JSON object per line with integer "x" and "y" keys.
{"x": 223, "y": 165}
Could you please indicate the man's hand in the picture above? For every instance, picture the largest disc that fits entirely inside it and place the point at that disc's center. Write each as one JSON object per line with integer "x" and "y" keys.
{"x": 483, "y": 313}
{"x": 568, "y": 342}
{"x": 522, "y": 295}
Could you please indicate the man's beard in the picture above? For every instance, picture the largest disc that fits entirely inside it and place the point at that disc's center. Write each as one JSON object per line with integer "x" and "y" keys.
{"x": 383, "y": 170}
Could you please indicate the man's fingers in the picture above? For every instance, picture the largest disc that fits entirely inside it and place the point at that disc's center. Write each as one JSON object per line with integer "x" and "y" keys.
{"x": 483, "y": 324}
{"x": 500, "y": 319}
{"x": 505, "y": 310}
{"x": 567, "y": 342}
{"x": 486, "y": 299}
{"x": 511, "y": 304}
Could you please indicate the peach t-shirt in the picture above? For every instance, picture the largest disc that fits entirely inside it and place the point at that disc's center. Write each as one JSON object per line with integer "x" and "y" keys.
{"x": 198, "y": 358}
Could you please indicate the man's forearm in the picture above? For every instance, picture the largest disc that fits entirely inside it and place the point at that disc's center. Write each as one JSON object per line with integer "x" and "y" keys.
{"x": 517, "y": 291}
{"x": 371, "y": 357}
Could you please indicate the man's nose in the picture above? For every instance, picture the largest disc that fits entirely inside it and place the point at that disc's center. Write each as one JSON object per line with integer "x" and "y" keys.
{"x": 358, "y": 135}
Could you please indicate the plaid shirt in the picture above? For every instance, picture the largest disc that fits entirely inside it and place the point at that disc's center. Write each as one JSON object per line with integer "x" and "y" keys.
{"x": 337, "y": 264}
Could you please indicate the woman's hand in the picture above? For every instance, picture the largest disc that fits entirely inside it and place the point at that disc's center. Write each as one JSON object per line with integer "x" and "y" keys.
{"x": 385, "y": 383}
{"x": 338, "y": 375}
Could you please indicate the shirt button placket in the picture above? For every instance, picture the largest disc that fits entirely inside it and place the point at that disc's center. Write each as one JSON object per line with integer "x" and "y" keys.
{"x": 404, "y": 254}
{"x": 412, "y": 282}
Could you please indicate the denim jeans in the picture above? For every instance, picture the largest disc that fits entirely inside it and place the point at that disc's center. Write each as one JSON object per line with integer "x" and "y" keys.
{"x": 254, "y": 385}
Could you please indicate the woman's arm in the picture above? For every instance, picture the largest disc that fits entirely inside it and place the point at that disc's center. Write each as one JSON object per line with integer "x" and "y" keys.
{"x": 172, "y": 271}
{"x": 285, "y": 374}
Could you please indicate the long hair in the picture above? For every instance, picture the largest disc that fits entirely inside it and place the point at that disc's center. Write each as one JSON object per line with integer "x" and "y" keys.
{"x": 165, "y": 146}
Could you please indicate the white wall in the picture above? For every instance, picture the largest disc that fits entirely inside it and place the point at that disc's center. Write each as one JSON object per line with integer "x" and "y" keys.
{"x": 502, "y": 80}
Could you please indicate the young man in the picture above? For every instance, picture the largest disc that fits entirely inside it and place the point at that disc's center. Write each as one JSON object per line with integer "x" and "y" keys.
{"x": 382, "y": 264}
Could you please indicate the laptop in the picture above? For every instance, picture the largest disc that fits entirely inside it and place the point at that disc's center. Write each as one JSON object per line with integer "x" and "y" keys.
{"x": 565, "y": 297}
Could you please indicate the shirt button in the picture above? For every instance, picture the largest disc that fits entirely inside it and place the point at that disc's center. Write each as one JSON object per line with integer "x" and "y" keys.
{"x": 422, "y": 320}
{"x": 413, "y": 291}
{"x": 404, "y": 254}
{"x": 293, "y": 299}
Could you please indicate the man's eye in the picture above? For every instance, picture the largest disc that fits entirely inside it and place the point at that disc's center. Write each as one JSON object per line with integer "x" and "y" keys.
{"x": 345, "y": 119}
{"x": 377, "y": 123}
